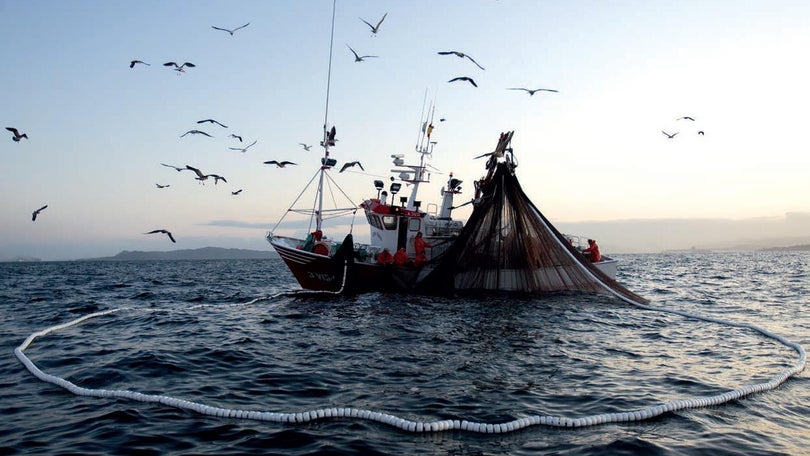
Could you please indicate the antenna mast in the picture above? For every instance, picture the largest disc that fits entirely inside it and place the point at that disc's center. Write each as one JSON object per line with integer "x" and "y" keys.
{"x": 327, "y": 140}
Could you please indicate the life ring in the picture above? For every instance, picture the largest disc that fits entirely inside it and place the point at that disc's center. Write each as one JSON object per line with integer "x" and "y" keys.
{"x": 321, "y": 248}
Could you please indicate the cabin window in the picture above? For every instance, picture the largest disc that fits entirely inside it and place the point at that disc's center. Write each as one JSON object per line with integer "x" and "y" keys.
{"x": 389, "y": 222}
{"x": 374, "y": 221}
{"x": 414, "y": 224}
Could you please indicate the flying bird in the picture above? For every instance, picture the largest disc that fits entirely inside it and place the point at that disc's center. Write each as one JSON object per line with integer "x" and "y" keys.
{"x": 36, "y": 212}
{"x": 701, "y": 133}
{"x": 685, "y": 118}
{"x": 175, "y": 167}
{"x": 531, "y": 91}
{"x": 17, "y": 135}
{"x": 375, "y": 29}
{"x": 132, "y": 63}
{"x": 461, "y": 55}
{"x": 236, "y": 192}
{"x": 358, "y": 58}
{"x": 162, "y": 186}
{"x": 306, "y": 147}
{"x": 243, "y": 149}
{"x": 279, "y": 164}
{"x": 670, "y": 136}
{"x": 464, "y": 78}
{"x": 179, "y": 68}
{"x": 350, "y": 164}
{"x": 162, "y": 231}
{"x": 200, "y": 176}
{"x": 230, "y": 31}
{"x": 211, "y": 121}
{"x": 330, "y": 137}
{"x": 196, "y": 132}
{"x": 236, "y": 136}
{"x": 217, "y": 178}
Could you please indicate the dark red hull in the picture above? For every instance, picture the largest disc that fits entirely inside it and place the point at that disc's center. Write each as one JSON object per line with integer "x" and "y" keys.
{"x": 322, "y": 273}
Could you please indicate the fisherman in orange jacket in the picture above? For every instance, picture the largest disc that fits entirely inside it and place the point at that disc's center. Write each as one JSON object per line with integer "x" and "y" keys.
{"x": 419, "y": 245}
{"x": 385, "y": 257}
{"x": 401, "y": 257}
{"x": 593, "y": 250}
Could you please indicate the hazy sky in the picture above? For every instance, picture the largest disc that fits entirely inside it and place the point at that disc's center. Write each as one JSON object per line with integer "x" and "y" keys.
{"x": 594, "y": 151}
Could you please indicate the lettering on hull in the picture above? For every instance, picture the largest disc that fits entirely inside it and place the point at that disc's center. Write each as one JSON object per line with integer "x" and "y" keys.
{"x": 323, "y": 277}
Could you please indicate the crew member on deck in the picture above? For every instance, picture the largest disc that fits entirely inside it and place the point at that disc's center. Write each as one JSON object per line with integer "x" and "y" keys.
{"x": 401, "y": 257}
{"x": 385, "y": 257}
{"x": 419, "y": 245}
{"x": 593, "y": 250}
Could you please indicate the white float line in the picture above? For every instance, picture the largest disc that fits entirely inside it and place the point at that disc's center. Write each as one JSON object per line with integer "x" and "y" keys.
{"x": 420, "y": 426}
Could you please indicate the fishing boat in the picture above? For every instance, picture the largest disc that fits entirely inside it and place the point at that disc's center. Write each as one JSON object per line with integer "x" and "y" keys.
{"x": 327, "y": 263}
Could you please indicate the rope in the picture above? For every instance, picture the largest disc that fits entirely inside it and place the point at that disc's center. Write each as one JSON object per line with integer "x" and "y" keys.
{"x": 420, "y": 426}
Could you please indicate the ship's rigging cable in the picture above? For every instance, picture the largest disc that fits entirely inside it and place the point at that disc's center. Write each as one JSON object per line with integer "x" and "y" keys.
{"x": 420, "y": 426}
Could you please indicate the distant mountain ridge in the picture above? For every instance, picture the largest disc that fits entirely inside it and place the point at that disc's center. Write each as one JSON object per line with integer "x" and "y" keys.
{"x": 204, "y": 253}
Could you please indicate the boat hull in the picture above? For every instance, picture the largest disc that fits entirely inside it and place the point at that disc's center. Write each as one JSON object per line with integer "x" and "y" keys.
{"x": 331, "y": 274}
{"x": 318, "y": 272}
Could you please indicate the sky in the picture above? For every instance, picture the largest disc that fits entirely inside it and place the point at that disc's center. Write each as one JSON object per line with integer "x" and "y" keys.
{"x": 592, "y": 152}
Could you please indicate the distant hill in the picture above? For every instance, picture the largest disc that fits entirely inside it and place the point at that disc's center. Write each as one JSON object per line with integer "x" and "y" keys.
{"x": 792, "y": 248}
{"x": 205, "y": 253}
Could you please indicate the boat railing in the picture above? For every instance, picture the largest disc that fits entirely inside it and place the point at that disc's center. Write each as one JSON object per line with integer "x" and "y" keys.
{"x": 432, "y": 209}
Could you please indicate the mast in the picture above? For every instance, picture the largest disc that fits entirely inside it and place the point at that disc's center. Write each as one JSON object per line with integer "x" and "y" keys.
{"x": 425, "y": 148}
{"x": 328, "y": 136}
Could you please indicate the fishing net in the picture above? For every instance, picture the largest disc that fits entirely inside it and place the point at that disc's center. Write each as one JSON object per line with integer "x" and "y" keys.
{"x": 507, "y": 244}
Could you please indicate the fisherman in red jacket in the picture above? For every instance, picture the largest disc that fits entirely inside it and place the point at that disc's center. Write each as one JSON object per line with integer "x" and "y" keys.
{"x": 385, "y": 257}
{"x": 401, "y": 257}
{"x": 419, "y": 245}
{"x": 593, "y": 250}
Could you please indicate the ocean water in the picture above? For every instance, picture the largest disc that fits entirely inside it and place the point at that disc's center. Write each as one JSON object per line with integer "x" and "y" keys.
{"x": 195, "y": 331}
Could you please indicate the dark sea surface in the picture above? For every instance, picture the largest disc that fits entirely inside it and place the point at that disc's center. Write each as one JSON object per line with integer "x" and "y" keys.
{"x": 187, "y": 331}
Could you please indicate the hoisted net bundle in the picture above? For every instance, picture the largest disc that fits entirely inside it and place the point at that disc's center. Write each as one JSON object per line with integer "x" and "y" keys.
{"x": 507, "y": 244}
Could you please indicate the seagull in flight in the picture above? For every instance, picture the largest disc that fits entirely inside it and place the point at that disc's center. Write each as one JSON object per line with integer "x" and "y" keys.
{"x": 196, "y": 132}
{"x": 236, "y": 136}
{"x": 531, "y": 91}
{"x": 132, "y": 63}
{"x": 230, "y": 31}
{"x": 464, "y": 78}
{"x": 461, "y": 55}
{"x": 179, "y": 68}
{"x": 217, "y": 178}
{"x": 36, "y": 212}
{"x": 686, "y": 118}
{"x": 670, "y": 136}
{"x": 175, "y": 167}
{"x": 279, "y": 164}
{"x": 358, "y": 58}
{"x": 350, "y": 164}
{"x": 330, "y": 137}
{"x": 200, "y": 176}
{"x": 162, "y": 186}
{"x": 236, "y": 192}
{"x": 162, "y": 231}
{"x": 375, "y": 29}
{"x": 306, "y": 147}
{"x": 243, "y": 149}
{"x": 17, "y": 136}
{"x": 211, "y": 121}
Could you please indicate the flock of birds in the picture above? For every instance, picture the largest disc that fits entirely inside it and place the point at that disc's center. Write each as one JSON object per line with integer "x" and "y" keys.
{"x": 330, "y": 138}
{"x": 376, "y": 29}
{"x": 689, "y": 118}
